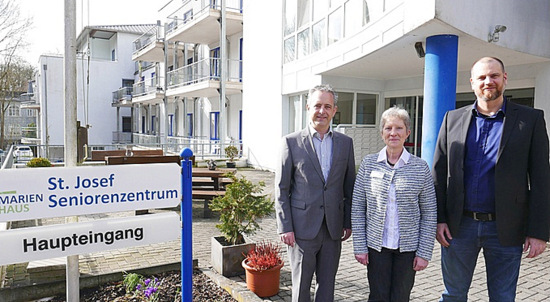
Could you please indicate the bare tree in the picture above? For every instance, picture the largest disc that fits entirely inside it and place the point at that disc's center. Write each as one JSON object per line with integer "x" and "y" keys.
{"x": 14, "y": 73}
{"x": 13, "y": 27}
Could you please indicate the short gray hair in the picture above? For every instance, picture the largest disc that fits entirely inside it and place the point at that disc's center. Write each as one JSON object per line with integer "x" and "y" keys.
{"x": 395, "y": 112}
{"x": 323, "y": 88}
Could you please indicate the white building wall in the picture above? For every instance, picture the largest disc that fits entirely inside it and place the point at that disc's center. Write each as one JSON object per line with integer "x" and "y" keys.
{"x": 262, "y": 102}
{"x": 105, "y": 77}
{"x": 520, "y": 18}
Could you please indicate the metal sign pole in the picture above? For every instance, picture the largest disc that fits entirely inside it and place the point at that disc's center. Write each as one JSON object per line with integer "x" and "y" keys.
{"x": 186, "y": 229}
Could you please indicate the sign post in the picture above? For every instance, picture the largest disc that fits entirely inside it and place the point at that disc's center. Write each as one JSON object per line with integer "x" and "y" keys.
{"x": 186, "y": 229}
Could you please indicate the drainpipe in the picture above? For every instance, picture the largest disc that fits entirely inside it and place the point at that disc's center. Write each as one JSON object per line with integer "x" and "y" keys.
{"x": 45, "y": 111}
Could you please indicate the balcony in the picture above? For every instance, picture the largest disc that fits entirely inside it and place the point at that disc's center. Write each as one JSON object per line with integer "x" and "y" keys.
{"x": 149, "y": 46}
{"x": 200, "y": 25}
{"x": 148, "y": 91}
{"x": 29, "y": 135}
{"x": 122, "y": 97}
{"x": 28, "y": 101}
{"x": 202, "y": 79}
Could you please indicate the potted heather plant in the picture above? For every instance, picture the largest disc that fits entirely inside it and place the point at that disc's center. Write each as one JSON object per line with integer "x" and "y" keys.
{"x": 263, "y": 265}
{"x": 240, "y": 208}
{"x": 231, "y": 152}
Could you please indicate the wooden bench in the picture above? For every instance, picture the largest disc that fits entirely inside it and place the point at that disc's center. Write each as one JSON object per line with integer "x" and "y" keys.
{"x": 207, "y": 196}
{"x": 102, "y": 154}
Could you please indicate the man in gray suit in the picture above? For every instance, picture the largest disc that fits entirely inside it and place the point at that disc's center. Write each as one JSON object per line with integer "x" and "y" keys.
{"x": 314, "y": 187}
{"x": 492, "y": 181}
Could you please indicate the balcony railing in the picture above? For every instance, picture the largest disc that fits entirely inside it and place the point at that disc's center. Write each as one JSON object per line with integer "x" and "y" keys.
{"x": 29, "y": 132}
{"x": 122, "y": 94}
{"x": 188, "y": 12}
{"x": 204, "y": 70}
{"x": 146, "y": 39}
{"x": 120, "y": 137}
{"x": 147, "y": 86}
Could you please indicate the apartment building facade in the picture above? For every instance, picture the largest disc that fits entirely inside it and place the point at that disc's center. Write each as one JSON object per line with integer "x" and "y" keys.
{"x": 380, "y": 53}
{"x": 189, "y": 88}
{"x": 104, "y": 72}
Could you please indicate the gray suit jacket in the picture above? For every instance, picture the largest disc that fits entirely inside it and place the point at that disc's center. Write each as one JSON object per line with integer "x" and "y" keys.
{"x": 522, "y": 173}
{"x": 304, "y": 199}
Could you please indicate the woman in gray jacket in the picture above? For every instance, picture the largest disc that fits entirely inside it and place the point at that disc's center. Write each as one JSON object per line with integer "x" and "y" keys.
{"x": 394, "y": 213}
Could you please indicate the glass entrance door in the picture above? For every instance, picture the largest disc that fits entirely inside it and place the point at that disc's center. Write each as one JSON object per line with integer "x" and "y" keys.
{"x": 413, "y": 105}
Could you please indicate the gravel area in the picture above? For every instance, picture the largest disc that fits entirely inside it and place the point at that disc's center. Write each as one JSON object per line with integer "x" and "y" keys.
{"x": 204, "y": 289}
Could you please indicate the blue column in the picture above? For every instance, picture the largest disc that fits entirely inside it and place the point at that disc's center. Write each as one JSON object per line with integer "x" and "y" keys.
{"x": 439, "y": 88}
{"x": 186, "y": 226}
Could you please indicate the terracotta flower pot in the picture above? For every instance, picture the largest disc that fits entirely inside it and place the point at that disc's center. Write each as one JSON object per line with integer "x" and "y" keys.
{"x": 263, "y": 283}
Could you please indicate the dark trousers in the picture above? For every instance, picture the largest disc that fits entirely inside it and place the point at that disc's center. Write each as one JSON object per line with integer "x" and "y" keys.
{"x": 391, "y": 275}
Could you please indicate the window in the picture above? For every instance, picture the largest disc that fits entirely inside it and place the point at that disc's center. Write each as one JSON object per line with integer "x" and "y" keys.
{"x": 13, "y": 111}
{"x": 127, "y": 82}
{"x": 143, "y": 124}
{"x": 366, "y": 109}
{"x": 189, "y": 123}
{"x": 153, "y": 120}
{"x": 303, "y": 12}
{"x": 335, "y": 26}
{"x": 126, "y": 124}
{"x": 215, "y": 63}
{"x": 187, "y": 16}
{"x": 319, "y": 36}
{"x": 345, "y": 109}
{"x": 113, "y": 56}
{"x": 303, "y": 43}
{"x": 214, "y": 120}
{"x": 289, "y": 50}
{"x": 355, "y": 16}
{"x": 320, "y": 8}
{"x": 170, "y": 125}
{"x": 290, "y": 16}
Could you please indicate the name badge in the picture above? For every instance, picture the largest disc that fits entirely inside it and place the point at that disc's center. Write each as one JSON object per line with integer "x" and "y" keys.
{"x": 377, "y": 174}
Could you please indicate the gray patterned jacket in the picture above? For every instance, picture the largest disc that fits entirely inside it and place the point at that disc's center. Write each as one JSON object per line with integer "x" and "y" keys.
{"x": 416, "y": 204}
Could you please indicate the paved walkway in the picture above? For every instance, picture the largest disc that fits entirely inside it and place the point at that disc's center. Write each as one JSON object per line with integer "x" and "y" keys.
{"x": 534, "y": 283}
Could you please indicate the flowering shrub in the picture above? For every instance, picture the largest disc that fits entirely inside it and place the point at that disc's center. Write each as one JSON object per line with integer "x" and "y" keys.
{"x": 136, "y": 286}
{"x": 39, "y": 162}
{"x": 263, "y": 256}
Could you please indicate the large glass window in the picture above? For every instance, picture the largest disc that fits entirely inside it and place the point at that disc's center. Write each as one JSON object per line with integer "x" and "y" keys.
{"x": 319, "y": 37}
{"x": 335, "y": 26}
{"x": 303, "y": 43}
